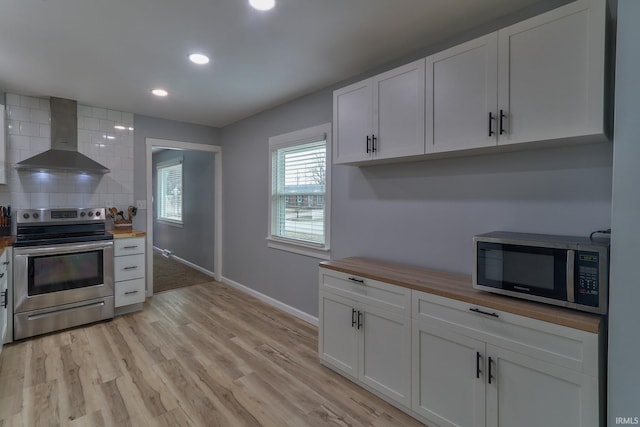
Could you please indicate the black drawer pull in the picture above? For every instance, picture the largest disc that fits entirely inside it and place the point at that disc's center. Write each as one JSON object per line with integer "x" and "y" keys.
{"x": 490, "y": 370}
{"x": 353, "y": 279}
{"x": 5, "y": 263}
{"x": 1, "y": 275}
{"x": 130, "y": 247}
{"x": 486, "y": 313}
{"x": 131, "y": 292}
{"x": 133, "y": 267}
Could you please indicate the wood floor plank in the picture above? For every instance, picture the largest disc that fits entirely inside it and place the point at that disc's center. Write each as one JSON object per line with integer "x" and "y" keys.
{"x": 205, "y": 355}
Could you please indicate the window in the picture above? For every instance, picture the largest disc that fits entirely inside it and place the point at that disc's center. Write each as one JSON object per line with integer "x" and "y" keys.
{"x": 300, "y": 184}
{"x": 170, "y": 191}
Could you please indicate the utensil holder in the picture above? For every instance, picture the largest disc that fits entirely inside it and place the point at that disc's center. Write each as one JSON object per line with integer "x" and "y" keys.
{"x": 5, "y": 229}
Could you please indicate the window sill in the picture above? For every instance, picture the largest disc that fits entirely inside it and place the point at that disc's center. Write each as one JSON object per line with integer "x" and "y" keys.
{"x": 299, "y": 248}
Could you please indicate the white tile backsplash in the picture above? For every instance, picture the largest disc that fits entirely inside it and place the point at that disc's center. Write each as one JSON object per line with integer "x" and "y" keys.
{"x": 29, "y": 134}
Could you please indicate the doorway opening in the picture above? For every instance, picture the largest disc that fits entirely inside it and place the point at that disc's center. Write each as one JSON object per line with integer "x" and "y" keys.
{"x": 184, "y": 216}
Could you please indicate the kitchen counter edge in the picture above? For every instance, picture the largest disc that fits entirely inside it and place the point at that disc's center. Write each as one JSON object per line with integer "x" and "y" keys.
{"x": 458, "y": 286}
{"x": 123, "y": 234}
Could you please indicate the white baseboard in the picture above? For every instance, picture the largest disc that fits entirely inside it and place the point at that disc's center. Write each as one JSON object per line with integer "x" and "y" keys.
{"x": 187, "y": 263}
{"x": 272, "y": 301}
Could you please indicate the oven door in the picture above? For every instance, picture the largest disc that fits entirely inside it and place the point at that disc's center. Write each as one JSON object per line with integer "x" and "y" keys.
{"x": 48, "y": 276}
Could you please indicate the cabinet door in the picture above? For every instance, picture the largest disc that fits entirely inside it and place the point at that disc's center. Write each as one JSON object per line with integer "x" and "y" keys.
{"x": 337, "y": 341}
{"x": 352, "y": 122}
{"x": 398, "y": 99}
{"x": 385, "y": 353}
{"x": 4, "y": 298}
{"x": 461, "y": 90}
{"x": 449, "y": 375}
{"x": 528, "y": 392}
{"x": 551, "y": 74}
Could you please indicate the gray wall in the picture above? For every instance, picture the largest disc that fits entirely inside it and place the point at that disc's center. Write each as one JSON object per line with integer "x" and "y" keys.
{"x": 624, "y": 316}
{"x": 422, "y": 213}
{"x": 287, "y": 277}
{"x": 193, "y": 241}
{"x": 151, "y": 127}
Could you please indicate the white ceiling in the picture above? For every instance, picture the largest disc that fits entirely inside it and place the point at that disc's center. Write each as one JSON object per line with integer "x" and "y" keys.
{"x": 110, "y": 53}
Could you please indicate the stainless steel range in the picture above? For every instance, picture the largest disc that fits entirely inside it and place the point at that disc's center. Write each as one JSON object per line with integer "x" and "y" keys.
{"x": 63, "y": 270}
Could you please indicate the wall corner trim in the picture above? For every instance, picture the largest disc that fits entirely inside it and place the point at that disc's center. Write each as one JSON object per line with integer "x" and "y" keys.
{"x": 272, "y": 301}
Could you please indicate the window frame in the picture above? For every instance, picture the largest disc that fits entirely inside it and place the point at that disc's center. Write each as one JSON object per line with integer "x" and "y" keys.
{"x": 162, "y": 165}
{"x": 291, "y": 139}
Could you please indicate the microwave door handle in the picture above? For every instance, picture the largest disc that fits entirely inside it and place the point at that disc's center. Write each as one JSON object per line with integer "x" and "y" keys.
{"x": 571, "y": 256}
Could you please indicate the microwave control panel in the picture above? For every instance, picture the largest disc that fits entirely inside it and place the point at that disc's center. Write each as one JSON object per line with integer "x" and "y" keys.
{"x": 587, "y": 283}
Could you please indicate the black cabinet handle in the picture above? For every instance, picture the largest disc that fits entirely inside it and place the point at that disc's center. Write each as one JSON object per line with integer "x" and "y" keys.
{"x": 5, "y": 263}
{"x": 502, "y": 116}
{"x": 353, "y": 317}
{"x": 130, "y": 247}
{"x": 131, "y": 292}
{"x": 353, "y": 279}
{"x": 1, "y": 275}
{"x": 490, "y": 370}
{"x": 133, "y": 267}
{"x": 491, "y": 119}
{"x": 4, "y": 299}
{"x": 368, "y": 141}
{"x": 373, "y": 143}
{"x": 478, "y": 359}
{"x": 359, "y": 319}
{"x": 486, "y": 313}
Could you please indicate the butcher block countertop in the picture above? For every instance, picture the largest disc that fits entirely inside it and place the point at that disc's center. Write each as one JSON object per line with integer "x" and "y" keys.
{"x": 121, "y": 234}
{"x": 458, "y": 287}
{"x": 6, "y": 241}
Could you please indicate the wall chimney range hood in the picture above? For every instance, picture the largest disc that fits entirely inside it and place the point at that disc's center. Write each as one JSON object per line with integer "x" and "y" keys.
{"x": 63, "y": 155}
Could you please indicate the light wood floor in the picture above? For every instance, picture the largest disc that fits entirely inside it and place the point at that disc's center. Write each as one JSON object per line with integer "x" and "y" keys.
{"x": 206, "y": 355}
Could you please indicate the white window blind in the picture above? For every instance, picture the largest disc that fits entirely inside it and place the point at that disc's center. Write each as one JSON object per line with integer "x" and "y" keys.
{"x": 298, "y": 191}
{"x": 169, "y": 179}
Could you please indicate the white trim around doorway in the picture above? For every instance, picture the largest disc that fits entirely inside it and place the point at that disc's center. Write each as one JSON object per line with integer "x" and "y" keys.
{"x": 217, "y": 215}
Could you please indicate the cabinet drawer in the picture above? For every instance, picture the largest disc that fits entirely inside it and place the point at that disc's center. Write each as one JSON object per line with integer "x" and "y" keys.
{"x": 369, "y": 291}
{"x": 128, "y": 267}
{"x": 561, "y": 345}
{"x": 129, "y": 292}
{"x": 130, "y": 246}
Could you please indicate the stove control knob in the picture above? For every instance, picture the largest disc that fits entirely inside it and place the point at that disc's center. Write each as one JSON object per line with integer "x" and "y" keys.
{"x": 36, "y": 215}
{"x": 97, "y": 213}
{"x": 25, "y": 215}
{"x": 83, "y": 214}
{"x": 90, "y": 214}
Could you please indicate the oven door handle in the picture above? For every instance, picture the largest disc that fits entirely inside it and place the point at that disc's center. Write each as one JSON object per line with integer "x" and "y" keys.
{"x": 63, "y": 249}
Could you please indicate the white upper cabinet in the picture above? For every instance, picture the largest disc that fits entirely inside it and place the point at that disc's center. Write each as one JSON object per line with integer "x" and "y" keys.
{"x": 540, "y": 80}
{"x": 462, "y": 94}
{"x": 551, "y": 74}
{"x": 381, "y": 117}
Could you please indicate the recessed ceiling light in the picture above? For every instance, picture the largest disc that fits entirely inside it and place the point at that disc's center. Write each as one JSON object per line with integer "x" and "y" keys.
{"x": 198, "y": 58}
{"x": 262, "y": 4}
{"x": 159, "y": 92}
{"x": 120, "y": 127}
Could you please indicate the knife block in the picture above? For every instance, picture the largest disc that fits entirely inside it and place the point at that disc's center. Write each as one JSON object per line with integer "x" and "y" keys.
{"x": 5, "y": 228}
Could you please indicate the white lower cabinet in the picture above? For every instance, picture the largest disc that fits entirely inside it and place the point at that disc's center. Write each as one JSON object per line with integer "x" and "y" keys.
{"x": 450, "y": 363}
{"x": 6, "y": 286}
{"x": 129, "y": 271}
{"x": 367, "y": 336}
{"x": 475, "y": 366}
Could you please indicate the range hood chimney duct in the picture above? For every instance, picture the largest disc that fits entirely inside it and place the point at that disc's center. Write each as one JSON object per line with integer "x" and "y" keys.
{"x": 63, "y": 155}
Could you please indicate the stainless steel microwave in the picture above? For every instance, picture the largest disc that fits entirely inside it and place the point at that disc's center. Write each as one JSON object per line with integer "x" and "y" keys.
{"x": 560, "y": 270}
